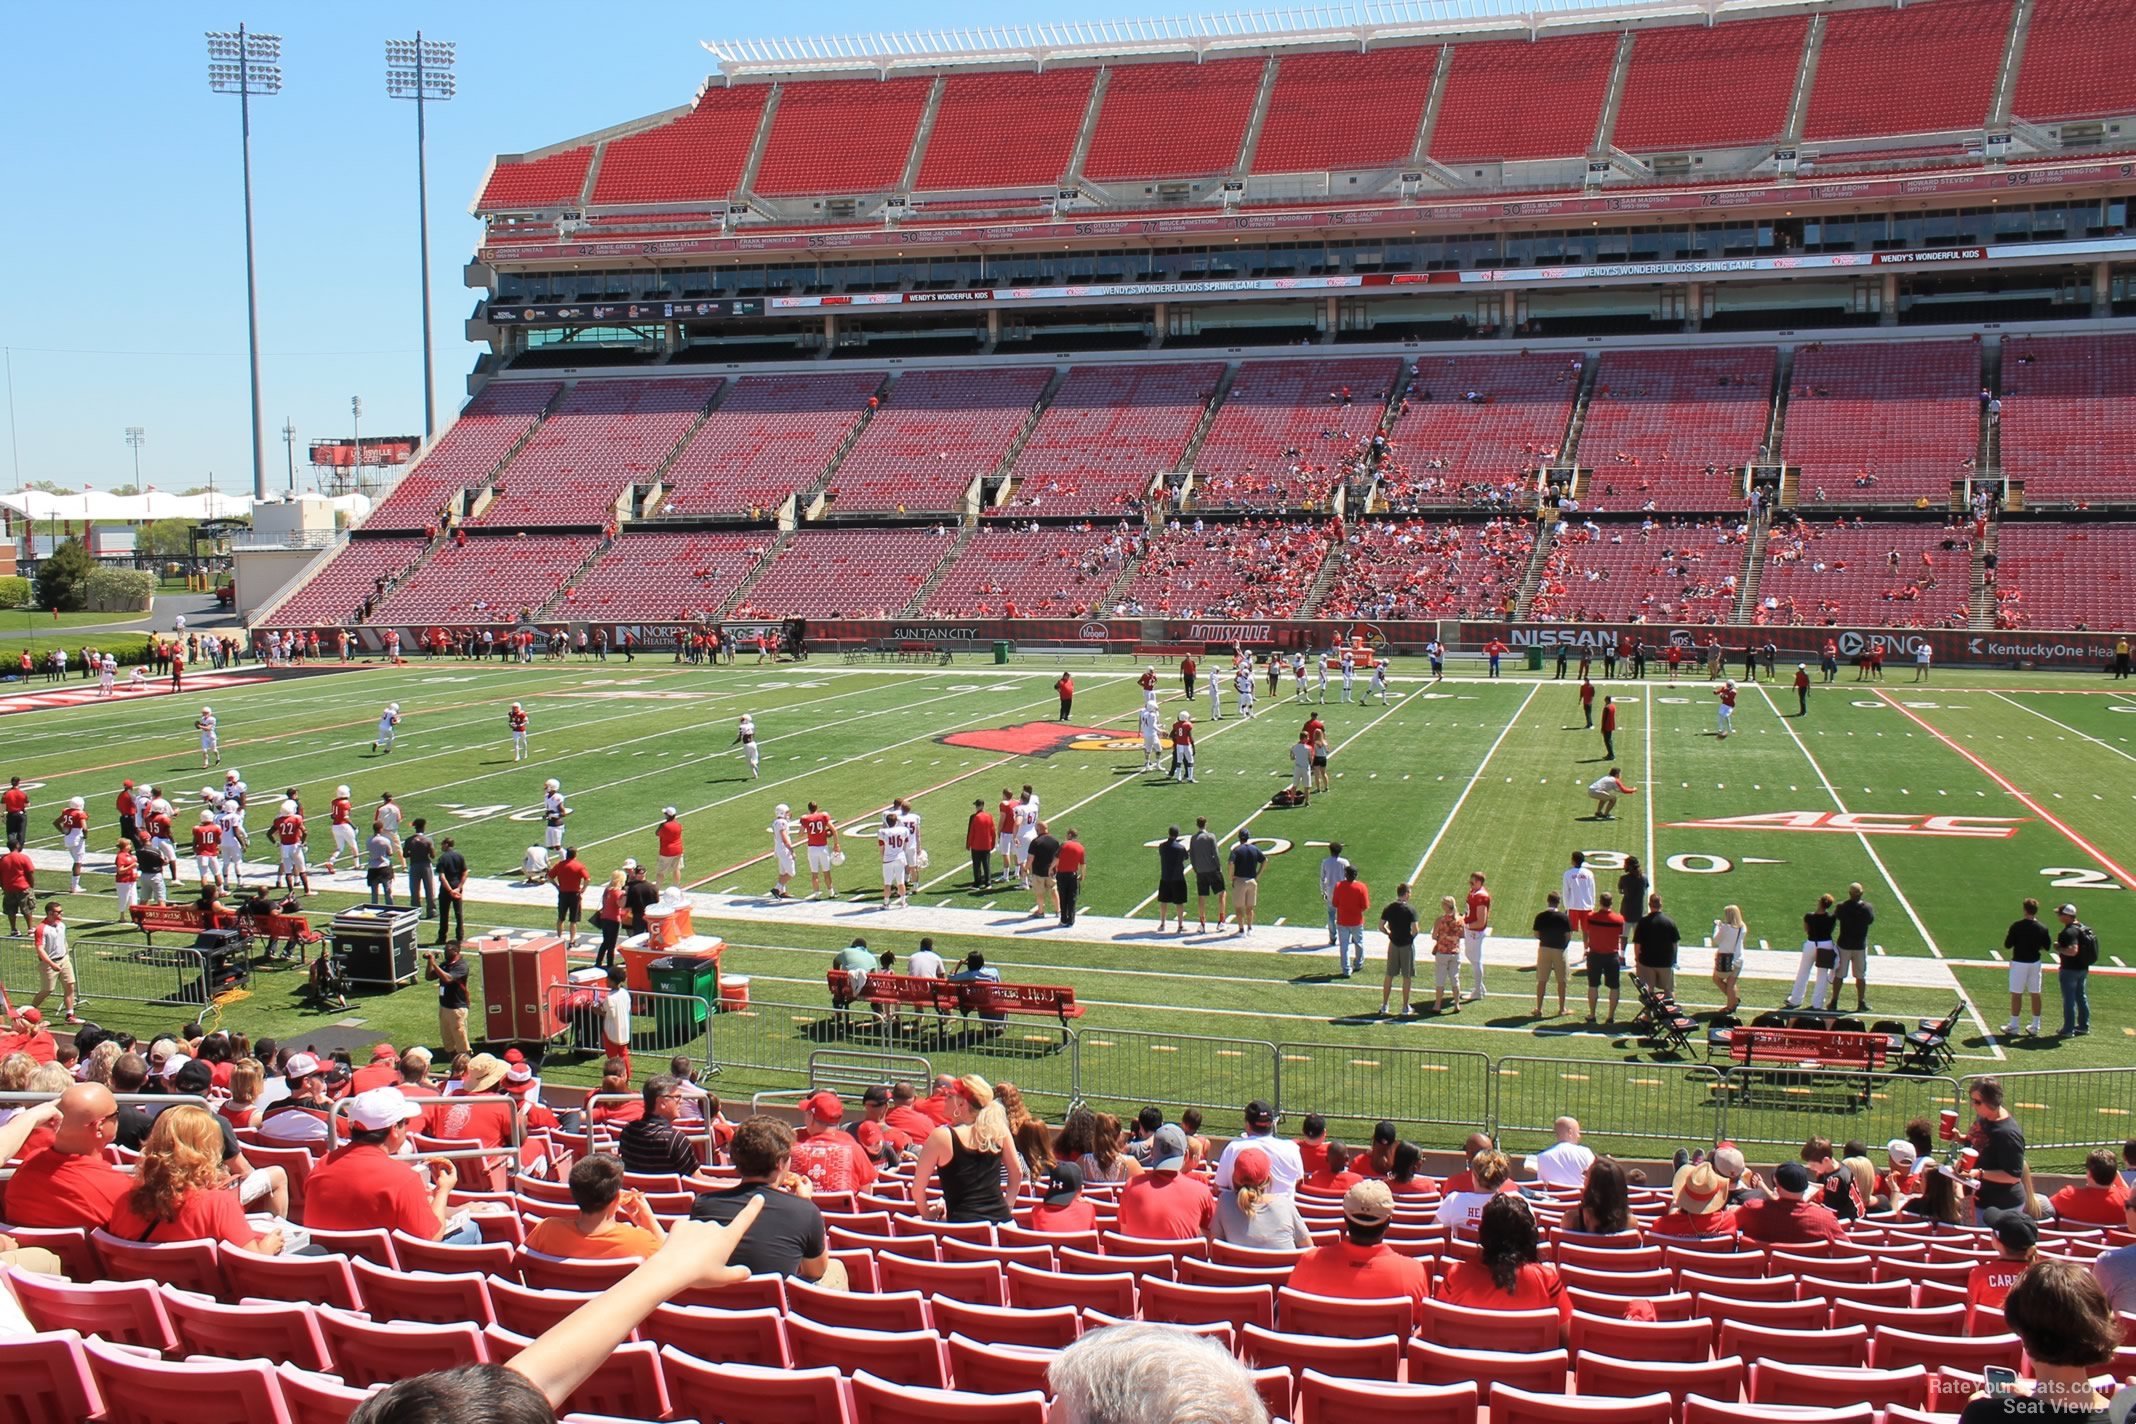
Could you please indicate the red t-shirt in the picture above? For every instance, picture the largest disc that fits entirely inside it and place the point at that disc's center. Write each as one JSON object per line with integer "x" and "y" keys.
{"x": 61, "y": 1189}
{"x": 1479, "y": 909}
{"x": 670, "y": 837}
{"x": 1334, "y": 1184}
{"x": 1313, "y": 1153}
{"x": 570, "y": 877}
{"x": 359, "y": 1188}
{"x": 374, "y": 1075}
{"x": 1679, "y": 1223}
{"x": 1070, "y": 859}
{"x": 486, "y": 1124}
{"x": 815, "y": 829}
{"x": 15, "y": 799}
{"x": 1417, "y": 1186}
{"x": 1351, "y": 898}
{"x": 16, "y": 871}
{"x": 1990, "y": 1283}
{"x": 1780, "y": 1222}
{"x": 833, "y": 1162}
{"x": 1535, "y": 1287}
{"x": 1078, "y": 1215}
{"x": 911, "y": 1121}
{"x": 1350, "y": 1272}
{"x": 1158, "y": 1209}
{"x": 202, "y": 1216}
{"x": 874, "y": 1136}
{"x": 979, "y": 832}
{"x": 2092, "y": 1206}
{"x": 1605, "y": 933}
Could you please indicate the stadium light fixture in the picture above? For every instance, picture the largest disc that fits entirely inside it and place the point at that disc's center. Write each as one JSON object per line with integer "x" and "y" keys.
{"x": 136, "y": 437}
{"x": 247, "y": 64}
{"x": 421, "y": 70}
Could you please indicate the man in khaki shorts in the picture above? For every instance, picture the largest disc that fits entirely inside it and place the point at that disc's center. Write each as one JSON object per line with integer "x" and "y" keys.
{"x": 1553, "y": 936}
{"x": 1246, "y": 862}
{"x": 54, "y": 964}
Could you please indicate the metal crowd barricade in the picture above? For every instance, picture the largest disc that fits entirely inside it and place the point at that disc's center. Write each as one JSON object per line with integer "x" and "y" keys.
{"x": 119, "y": 970}
{"x": 1635, "y": 1108}
{"x": 2065, "y": 1112}
{"x": 1785, "y": 1106}
{"x": 1356, "y": 1083}
{"x": 1120, "y": 1070}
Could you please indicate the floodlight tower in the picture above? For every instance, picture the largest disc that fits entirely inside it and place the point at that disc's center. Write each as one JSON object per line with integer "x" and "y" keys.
{"x": 421, "y": 70}
{"x": 136, "y": 437}
{"x": 246, "y": 64}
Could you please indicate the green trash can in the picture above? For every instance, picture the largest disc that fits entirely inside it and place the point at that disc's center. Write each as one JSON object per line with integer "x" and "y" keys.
{"x": 1002, "y": 649}
{"x": 682, "y": 984}
{"x": 1535, "y": 659}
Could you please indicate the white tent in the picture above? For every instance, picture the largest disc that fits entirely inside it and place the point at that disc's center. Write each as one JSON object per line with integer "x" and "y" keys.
{"x": 93, "y": 506}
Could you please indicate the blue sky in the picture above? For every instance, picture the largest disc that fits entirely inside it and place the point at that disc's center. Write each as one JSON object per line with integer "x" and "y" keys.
{"x": 124, "y": 303}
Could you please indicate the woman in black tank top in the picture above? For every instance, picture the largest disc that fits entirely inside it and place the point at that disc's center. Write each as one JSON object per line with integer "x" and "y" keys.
{"x": 962, "y": 1167}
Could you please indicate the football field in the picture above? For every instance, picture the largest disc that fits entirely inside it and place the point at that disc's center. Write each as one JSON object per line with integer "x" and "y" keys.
{"x": 1949, "y": 802}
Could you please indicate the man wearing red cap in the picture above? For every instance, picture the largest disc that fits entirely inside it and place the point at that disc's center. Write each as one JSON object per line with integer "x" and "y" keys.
{"x": 383, "y": 1071}
{"x": 827, "y": 1155}
{"x": 27, "y": 1034}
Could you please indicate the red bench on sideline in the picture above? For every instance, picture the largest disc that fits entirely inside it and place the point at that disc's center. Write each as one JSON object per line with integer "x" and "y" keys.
{"x": 1803, "y": 1047}
{"x": 958, "y": 996}
{"x": 183, "y": 918}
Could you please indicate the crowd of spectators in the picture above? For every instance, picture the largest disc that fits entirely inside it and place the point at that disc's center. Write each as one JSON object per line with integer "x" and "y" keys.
{"x": 1422, "y": 568}
{"x": 1905, "y": 591}
{"x": 1252, "y": 568}
{"x": 1678, "y": 571}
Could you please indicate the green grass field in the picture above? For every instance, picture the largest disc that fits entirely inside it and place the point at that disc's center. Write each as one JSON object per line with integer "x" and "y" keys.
{"x": 1949, "y": 803}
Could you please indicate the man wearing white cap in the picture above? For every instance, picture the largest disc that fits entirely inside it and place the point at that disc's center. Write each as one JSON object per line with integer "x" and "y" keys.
{"x": 362, "y": 1186}
{"x": 782, "y": 848}
{"x": 301, "y": 1117}
{"x": 669, "y": 862}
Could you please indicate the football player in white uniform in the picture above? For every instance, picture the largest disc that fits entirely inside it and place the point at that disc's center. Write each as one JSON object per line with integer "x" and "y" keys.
{"x": 782, "y": 848}
{"x": 234, "y": 841}
{"x": 745, "y": 738}
{"x": 388, "y": 724}
{"x": 1152, "y": 747}
{"x": 210, "y": 743}
{"x": 553, "y": 811}
{"x": 894, "y": 840}
{"x": 1379, "y": 681}
{"x": 1242, "y": 683}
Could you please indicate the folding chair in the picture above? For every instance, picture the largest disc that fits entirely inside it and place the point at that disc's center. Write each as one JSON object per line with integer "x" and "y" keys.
{"x": 1928, "y": 1047}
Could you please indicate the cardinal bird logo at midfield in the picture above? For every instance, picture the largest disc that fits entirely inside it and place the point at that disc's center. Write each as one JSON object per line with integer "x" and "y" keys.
{"x": 1043, "y": 739}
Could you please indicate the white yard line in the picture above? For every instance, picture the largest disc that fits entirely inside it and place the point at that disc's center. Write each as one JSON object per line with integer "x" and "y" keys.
{"x": 1878, "y": 861}
{"x": 1459, "y": 801}
{"x": 2086, "y": 736}
{"x": 1649, "y": 709}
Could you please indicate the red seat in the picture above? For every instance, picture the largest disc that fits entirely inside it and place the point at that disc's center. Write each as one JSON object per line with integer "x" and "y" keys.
{"x": 370, "y": 1352}
{"x": 1896, "y": 1349}
{"x": 538, "y": 1271}
{"x": 1519, "y": 1406}
{"x": 1623, "y": 1260}
{"x": 1812, "y": 1314}
{"x": 1620, "y": 1376}
{"x": 998, "y": 1369}
{"x": 1700, "y": 1410}
{"x": 1082, "y": 1263}
{"x": 1051, "y": 1240}
{"x": 881, "y": 1402}
{"x": 141, "y": 1389}
{"x": 423, "y": 1295}
{"x": 1513, "y": 1331}
{"x": 756, "y": 1293}
{"x": 1920, "y": 1320}
{"x": 1542, "y": 1371}
{"x": 45, "y": 1376}
{"x": 627, "y": 1384}
{"x": 749, "y": 1394}
{"x": 1686, "y": 1340}
{"x": 1005, "y": 1325}
{"x": 374, "y": 1245}
{"x": 1752, "y": 1287}
{"x": 77, "y": 1258}
{"x": 320, "y": 1280}
{"x": 895, "y": 1310}
{"x": 1683, "y": 1256}
{"x": 979, "y": 1282}
{"x": 1887, "y": 1291}
{"x": 525, "y": 1311}
{"x": 487, "y": 1259}
{"x": 317, "y": 1399}
{"x": 952, "y": 1249}
{"x": 1224, "y": 1253}
{"x": 126, "y": 1312}
{"x": 1626, "y": 1283}
{"x": 912, "y": 1357}
{"x": 1327, "y": 1399}
{"x": 1037, "y": 1290}
{"x": 283, "y": 1332}
{"x": 1856, "y": 1270}
{"x": 1302, "y": 1313}
{"x": 1379, "y": 1358}
{"x": 740, "y": 1337}
{"x": 1196, "y": 1272}
{"x": 1847, "y": 1348}
{"x": 1674, "y": 1306}
{"x": 1824, "y": 1387}
{"x": 189, "y": 1265}
{"x": 1174, "y": 1304}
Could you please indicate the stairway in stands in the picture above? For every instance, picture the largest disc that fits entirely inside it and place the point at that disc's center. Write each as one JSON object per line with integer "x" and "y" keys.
{"x": 554, "y": 605}
{"x": 1753, "y": 572}
{"x": 956, "y": 550}
{"x": 808, "y": 503}
{"x": 1545, "y": 540}
{"x": 1002, "y": 477}
{"x": 1982, "y": 608}
{"x": 741, "y": 590}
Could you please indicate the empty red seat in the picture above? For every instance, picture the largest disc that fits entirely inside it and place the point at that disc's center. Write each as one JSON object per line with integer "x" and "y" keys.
{"x": 913, "y": 1357}
{"x": 1845, "y": 1348}
{"x": 138, "y": 1388}
{"x": 1826, "y": 1387}
{"x": 1518, "y": 1406}
{"x": 1378, "y": 1358}
{"x": 750, "y": 1394}
{"x": 1540, "y": 1370}
{"x": 878, "y": 1401}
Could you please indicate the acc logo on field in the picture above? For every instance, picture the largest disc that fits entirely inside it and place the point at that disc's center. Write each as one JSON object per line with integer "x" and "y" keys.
{"x": 1858, "y": 823}
{"x": 1042, "y": 739}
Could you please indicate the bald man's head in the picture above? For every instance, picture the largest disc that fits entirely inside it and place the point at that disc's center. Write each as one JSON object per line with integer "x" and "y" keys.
{"x": 87, "y": 1120}
{"x": 1477, "y": 1142}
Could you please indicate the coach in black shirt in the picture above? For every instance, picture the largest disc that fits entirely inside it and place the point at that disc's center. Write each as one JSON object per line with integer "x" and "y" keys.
{"x": 1553, "y": 937}
{"x": 452, "y": 887}
{"x": 788, "y": 1238}
{"x": 1655, "y": 937}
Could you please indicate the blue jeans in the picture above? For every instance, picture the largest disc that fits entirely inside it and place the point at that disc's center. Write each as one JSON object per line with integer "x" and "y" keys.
{"x": 468, "y": 1235}
{"x": 2076, "y": 1002}
{"x": 1352, "y": 938}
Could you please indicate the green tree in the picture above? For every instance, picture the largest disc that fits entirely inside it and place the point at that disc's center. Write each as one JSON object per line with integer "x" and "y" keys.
{"x": 165, "y": 537}
{"x": 63, "y": 578}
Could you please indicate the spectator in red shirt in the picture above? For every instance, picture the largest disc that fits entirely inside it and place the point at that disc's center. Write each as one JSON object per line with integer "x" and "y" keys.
{"x": 906, "y": 1114}
{"x": 1699, "y": 1206}
{"x": 383, "y": 1071}
{"x": 936, "y": 1107}
{"x": 1165, "y": 1203}
{"x": 178, "y": 1188}
{"x": 1063, "y": 1208}
{"x": 1788, "y": 1216}
{"x": 2018, "y": 1236}
{"x": 1334, "y": 1177}
{"x": 669, "y": 837}
{"x": 1510, "y": 1274}
{"x": 1313, "y": 1146}
{"x": 2102, "y": 1200}
{"x": 70, "y": 1183}
{"x": 363, "y": 1185}
{"x": 980, "y": 836}
{"x": 1362, "y": 1266}
{"x": 874, "y": 1133}
{"x": 830, "y": 1157}
{"x": 1350, "y": 898}
{"x": 1403, "y": 1177}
